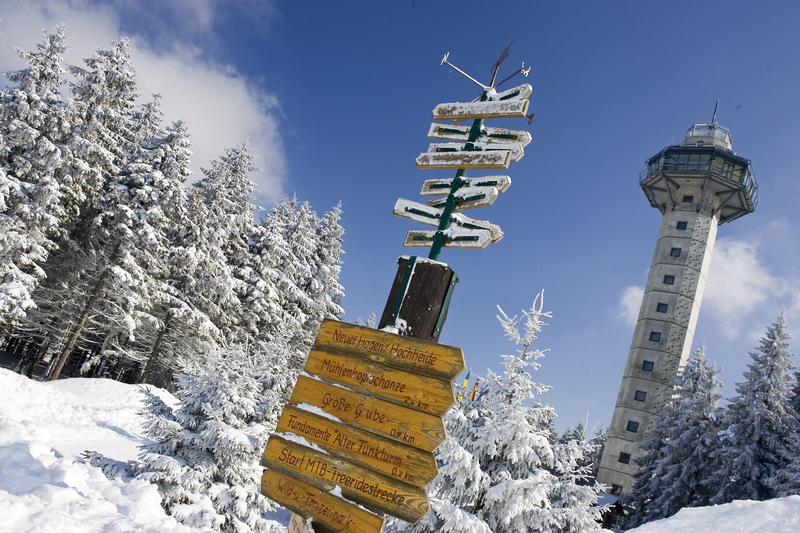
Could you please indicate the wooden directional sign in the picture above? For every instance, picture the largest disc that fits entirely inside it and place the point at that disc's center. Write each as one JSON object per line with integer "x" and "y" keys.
{"x": 454, "y": 238}
{"x": 331, "y": 513}
{"x": 405, "y": 353}
{"x": 324, "y": 471}
{"x": 454, "y": 132}
{"x": 387, "y": 419}
{"x": 439, "y": 187}
{"x": 365, "y": 416}
{"x": 360, "y": 447}
{"x": 458, "y": 160}
{"x": 517, "y": 152}
{"x": 432, "y": 396}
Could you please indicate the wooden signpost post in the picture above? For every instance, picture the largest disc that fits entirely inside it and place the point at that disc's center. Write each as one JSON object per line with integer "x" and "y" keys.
{"x": 356, "y": 440}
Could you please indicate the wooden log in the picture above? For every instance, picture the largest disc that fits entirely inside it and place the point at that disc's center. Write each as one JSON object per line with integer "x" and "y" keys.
{"x": 360, "y": 447}
{"x": 394, "y": 422}
{"x": 324, "y": 471}
{"x": 424, "y": 299}
{"x": 398, "y": 351}
{"x": 332, "y": 514}
{"x": 425, "y": 394}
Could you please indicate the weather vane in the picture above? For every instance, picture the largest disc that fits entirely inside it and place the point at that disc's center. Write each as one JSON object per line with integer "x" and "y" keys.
{"x": 494, "y": 69}
{"x": 475, "y": 147}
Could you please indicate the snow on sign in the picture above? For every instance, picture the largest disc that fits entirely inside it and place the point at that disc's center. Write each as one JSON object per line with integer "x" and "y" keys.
{"x": 361, "y": 426}
{"x": 472, "y": 147}
{"x": 454, "y": 132}
{"x": 433, "y": 216}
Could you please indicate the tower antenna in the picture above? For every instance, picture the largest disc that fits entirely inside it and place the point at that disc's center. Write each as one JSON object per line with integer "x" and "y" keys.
{"x": 714, "y": 118}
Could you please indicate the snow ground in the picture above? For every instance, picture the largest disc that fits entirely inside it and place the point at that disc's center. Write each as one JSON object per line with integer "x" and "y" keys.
{"x": 45, "y": 487}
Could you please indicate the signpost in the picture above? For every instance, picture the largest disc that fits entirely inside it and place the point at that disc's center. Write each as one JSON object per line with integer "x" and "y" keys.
{"x": 361, "y": 426}
{"x": 357, "y": 437}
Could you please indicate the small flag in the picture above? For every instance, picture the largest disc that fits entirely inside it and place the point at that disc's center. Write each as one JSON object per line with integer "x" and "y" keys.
{"x": 464, "y": 386}
{"x": 483, "y": 393}
{"x": 474, "y": 391}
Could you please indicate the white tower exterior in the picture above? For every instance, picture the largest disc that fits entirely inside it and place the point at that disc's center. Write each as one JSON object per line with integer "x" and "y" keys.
{"x": 696, "y": 185}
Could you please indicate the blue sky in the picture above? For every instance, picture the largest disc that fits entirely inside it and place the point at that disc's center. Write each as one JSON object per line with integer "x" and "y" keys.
{"x": 336, "y": 99}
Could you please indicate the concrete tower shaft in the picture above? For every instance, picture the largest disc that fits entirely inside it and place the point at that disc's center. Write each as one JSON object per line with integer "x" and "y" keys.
{"x": 697, "y": 186}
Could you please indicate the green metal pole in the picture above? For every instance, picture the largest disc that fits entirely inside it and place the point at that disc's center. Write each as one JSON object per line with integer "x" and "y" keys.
{"x": 458, "y": 182}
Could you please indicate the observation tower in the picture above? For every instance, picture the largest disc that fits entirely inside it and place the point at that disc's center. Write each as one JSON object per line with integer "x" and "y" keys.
{"x": 696, "y": 185}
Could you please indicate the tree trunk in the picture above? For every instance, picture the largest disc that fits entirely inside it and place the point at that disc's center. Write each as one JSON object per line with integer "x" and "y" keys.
{"x": 151, "y": 361}
{"x": 62, "y": 357}
{"x": 39, "y": 356}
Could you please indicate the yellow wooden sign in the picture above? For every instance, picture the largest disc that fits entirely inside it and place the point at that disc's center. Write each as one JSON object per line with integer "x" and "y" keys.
{"x": 324, "y": 471}
{"x": 406, "y": 353}
{"x": 428, "y": 395}
{"x": 329, "y": 512}
{"x": 360, "y": 447}
{"x": 400, "y": 424}
{"x": 363, "y": 421}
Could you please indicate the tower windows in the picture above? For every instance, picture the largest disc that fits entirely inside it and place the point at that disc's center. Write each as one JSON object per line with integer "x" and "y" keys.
{"x": 675, "y": 252}
{"x": 640, "y": 395}
{"x": 688, "y": 199}
{"x": 633, "y": 427}
{"x": 655, "y": 336}
{"x": 616, "y": 490}
{"x": 624, "y": 458}
{"x": 669, "y": 280}
{"x": 661, "y": 308}
{"x": 681, "y": 224}
{"x": 648, "y": 366}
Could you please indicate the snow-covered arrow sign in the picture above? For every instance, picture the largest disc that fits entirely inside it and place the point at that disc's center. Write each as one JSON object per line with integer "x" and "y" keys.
{"x": 499, "y": 159}
{"x": 510, "y": 103}
{"x": 468, "y": 198}
{"x": 454, "y": 132}
{"x": 439, "y": 187}
{"x": 517, "y": 152}
{"x": 454, "y": 237}
{"x": 433, "y": 216}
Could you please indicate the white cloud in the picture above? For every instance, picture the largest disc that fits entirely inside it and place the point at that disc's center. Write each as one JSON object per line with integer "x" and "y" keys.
{"x": 739, "y": 284}
{"x": 629, "y": 303}
{"x": 220, "y": 106}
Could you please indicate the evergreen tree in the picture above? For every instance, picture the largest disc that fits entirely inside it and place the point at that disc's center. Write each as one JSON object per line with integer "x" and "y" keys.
{"x": 32, "y": 158}
{"x": 227, "y": 194}
{"x": 205, "y": 458}
{"x": 498, "y": 470}
{"x": 760, "y": 421}
{"x": 678, "y": 468}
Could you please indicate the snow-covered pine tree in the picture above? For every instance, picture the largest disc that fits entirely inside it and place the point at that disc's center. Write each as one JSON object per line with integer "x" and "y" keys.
{"x": 32, "y": 156}
{"x": 205, "y": 458}
{"x": 297, "y": 256}
{"x": 592, "y": 448}
{"x": 228, "y": 195}
{"x": 759, "y": 422}
{"x": 678, "y": 468}
{"x": 498, "y": 471}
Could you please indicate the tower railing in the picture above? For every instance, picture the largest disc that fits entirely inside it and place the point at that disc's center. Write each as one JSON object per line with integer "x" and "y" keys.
{"x": 691, "y": 160}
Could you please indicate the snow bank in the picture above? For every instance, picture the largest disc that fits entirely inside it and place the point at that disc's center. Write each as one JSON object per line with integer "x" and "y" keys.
{"x": 44, "y": 487}
{"x": 781, "y": 515}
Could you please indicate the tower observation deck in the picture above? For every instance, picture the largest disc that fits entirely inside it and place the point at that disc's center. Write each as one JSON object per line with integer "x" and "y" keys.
{"x": 696, "y": 185}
